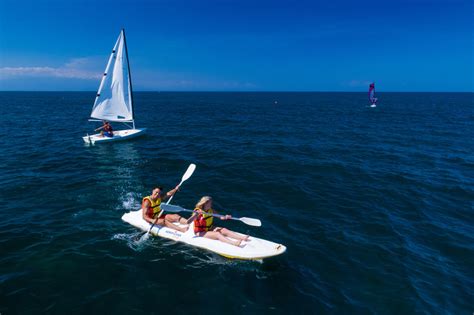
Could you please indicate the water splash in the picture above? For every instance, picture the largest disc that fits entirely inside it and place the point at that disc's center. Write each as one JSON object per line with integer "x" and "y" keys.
{"x": 129, "y": 201}
{"x": 132, "y": 240}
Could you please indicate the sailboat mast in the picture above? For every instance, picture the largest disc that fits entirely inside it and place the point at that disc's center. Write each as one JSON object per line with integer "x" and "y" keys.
{"x": 129, "y": 76}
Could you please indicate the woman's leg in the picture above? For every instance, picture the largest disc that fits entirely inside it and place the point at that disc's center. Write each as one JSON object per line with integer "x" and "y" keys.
{"x": 229, "y": 233}
{"x": 220, "y": 237}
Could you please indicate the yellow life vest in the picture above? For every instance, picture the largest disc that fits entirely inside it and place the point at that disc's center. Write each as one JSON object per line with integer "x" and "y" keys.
{"x": 154, "y": 207}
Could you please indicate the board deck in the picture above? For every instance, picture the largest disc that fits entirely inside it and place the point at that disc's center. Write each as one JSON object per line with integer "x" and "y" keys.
{"x": 254, "y": 249}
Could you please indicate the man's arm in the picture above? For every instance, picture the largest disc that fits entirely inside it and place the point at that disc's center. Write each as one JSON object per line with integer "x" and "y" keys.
{"x": 170, "y": 193}
{"x": 145, "y": 206}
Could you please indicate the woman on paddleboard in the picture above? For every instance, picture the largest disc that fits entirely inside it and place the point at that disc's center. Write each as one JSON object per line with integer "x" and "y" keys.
{"x": 151, "y": 210}
{"x": 203, "y": 225}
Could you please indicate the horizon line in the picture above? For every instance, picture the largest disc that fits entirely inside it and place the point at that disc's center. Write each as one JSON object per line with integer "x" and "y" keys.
{"x": 240, "y": 91}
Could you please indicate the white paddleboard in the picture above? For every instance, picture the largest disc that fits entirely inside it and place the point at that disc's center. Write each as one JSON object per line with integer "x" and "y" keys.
{"x": 254, "y": 249}
{"x": 118, "y": 136}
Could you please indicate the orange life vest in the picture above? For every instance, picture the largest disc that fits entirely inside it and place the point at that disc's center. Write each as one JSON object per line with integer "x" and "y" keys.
{"x": 203, "y": 222}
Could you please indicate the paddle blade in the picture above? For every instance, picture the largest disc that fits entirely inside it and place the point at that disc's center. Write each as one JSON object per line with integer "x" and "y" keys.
{"x": 171, "y": 208}
{"x": 186, "y": 175}
{"x": 189, "y": 172}
{"x": 143, "y": 238}
{"x": 251, "y": 221}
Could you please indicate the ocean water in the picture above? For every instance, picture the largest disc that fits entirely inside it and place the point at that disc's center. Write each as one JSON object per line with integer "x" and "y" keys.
{"x": 375, "y": 205}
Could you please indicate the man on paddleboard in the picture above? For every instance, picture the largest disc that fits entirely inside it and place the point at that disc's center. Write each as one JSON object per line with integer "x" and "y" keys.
{"x": 151, "y": 209}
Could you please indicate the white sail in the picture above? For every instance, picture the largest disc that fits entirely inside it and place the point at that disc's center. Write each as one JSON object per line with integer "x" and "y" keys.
{"x": 114, "y": 98}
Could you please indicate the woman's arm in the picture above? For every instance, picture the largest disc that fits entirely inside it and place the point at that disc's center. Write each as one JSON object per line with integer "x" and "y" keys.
{"x": 222, "y": 216}
{"x": 192, "y": 218}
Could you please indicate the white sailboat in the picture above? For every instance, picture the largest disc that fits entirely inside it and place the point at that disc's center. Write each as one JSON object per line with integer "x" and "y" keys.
{"x": 114, "y": 100}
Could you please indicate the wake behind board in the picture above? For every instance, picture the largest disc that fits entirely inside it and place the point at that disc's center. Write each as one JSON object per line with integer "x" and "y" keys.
{"x": 254, "y": 249}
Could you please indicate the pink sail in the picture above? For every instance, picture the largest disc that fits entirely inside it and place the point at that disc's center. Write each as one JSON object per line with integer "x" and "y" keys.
{"x": 372, "y": 98}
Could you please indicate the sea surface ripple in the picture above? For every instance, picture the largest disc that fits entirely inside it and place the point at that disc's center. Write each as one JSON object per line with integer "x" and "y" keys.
{"x": 375, "y": 205}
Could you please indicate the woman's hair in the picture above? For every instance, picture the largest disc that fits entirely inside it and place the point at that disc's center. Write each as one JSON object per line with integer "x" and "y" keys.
{"x": 202, "y": 202}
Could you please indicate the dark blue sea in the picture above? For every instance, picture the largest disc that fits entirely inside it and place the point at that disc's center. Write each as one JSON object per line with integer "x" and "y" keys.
{"x": 375, "y": 205}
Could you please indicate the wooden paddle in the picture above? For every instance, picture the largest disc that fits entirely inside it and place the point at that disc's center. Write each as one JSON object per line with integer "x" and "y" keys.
{"x": 248, "y": 221}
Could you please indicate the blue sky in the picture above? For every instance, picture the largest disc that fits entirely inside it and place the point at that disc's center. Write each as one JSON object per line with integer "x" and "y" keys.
{"x": 220, "y": 45}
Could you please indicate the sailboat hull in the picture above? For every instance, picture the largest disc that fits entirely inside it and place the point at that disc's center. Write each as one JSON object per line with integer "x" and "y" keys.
{"x": 373, "y": 105}
{"x": 119, "y": 135}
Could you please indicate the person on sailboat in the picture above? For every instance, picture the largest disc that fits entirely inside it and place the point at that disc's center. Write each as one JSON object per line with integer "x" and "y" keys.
{"x": 108, "y": 131}
{"x": 203, "y": 225}
{"x": 151, "y": 209}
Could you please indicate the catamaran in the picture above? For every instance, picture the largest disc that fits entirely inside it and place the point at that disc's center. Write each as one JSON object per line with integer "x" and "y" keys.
{"x": 372, "y": 98}
{"x": 114, "y": 100}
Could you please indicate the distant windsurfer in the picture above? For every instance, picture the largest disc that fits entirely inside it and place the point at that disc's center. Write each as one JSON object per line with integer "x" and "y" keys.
{"x": 372, "y": 98}
{"x": 107, "y": 130}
